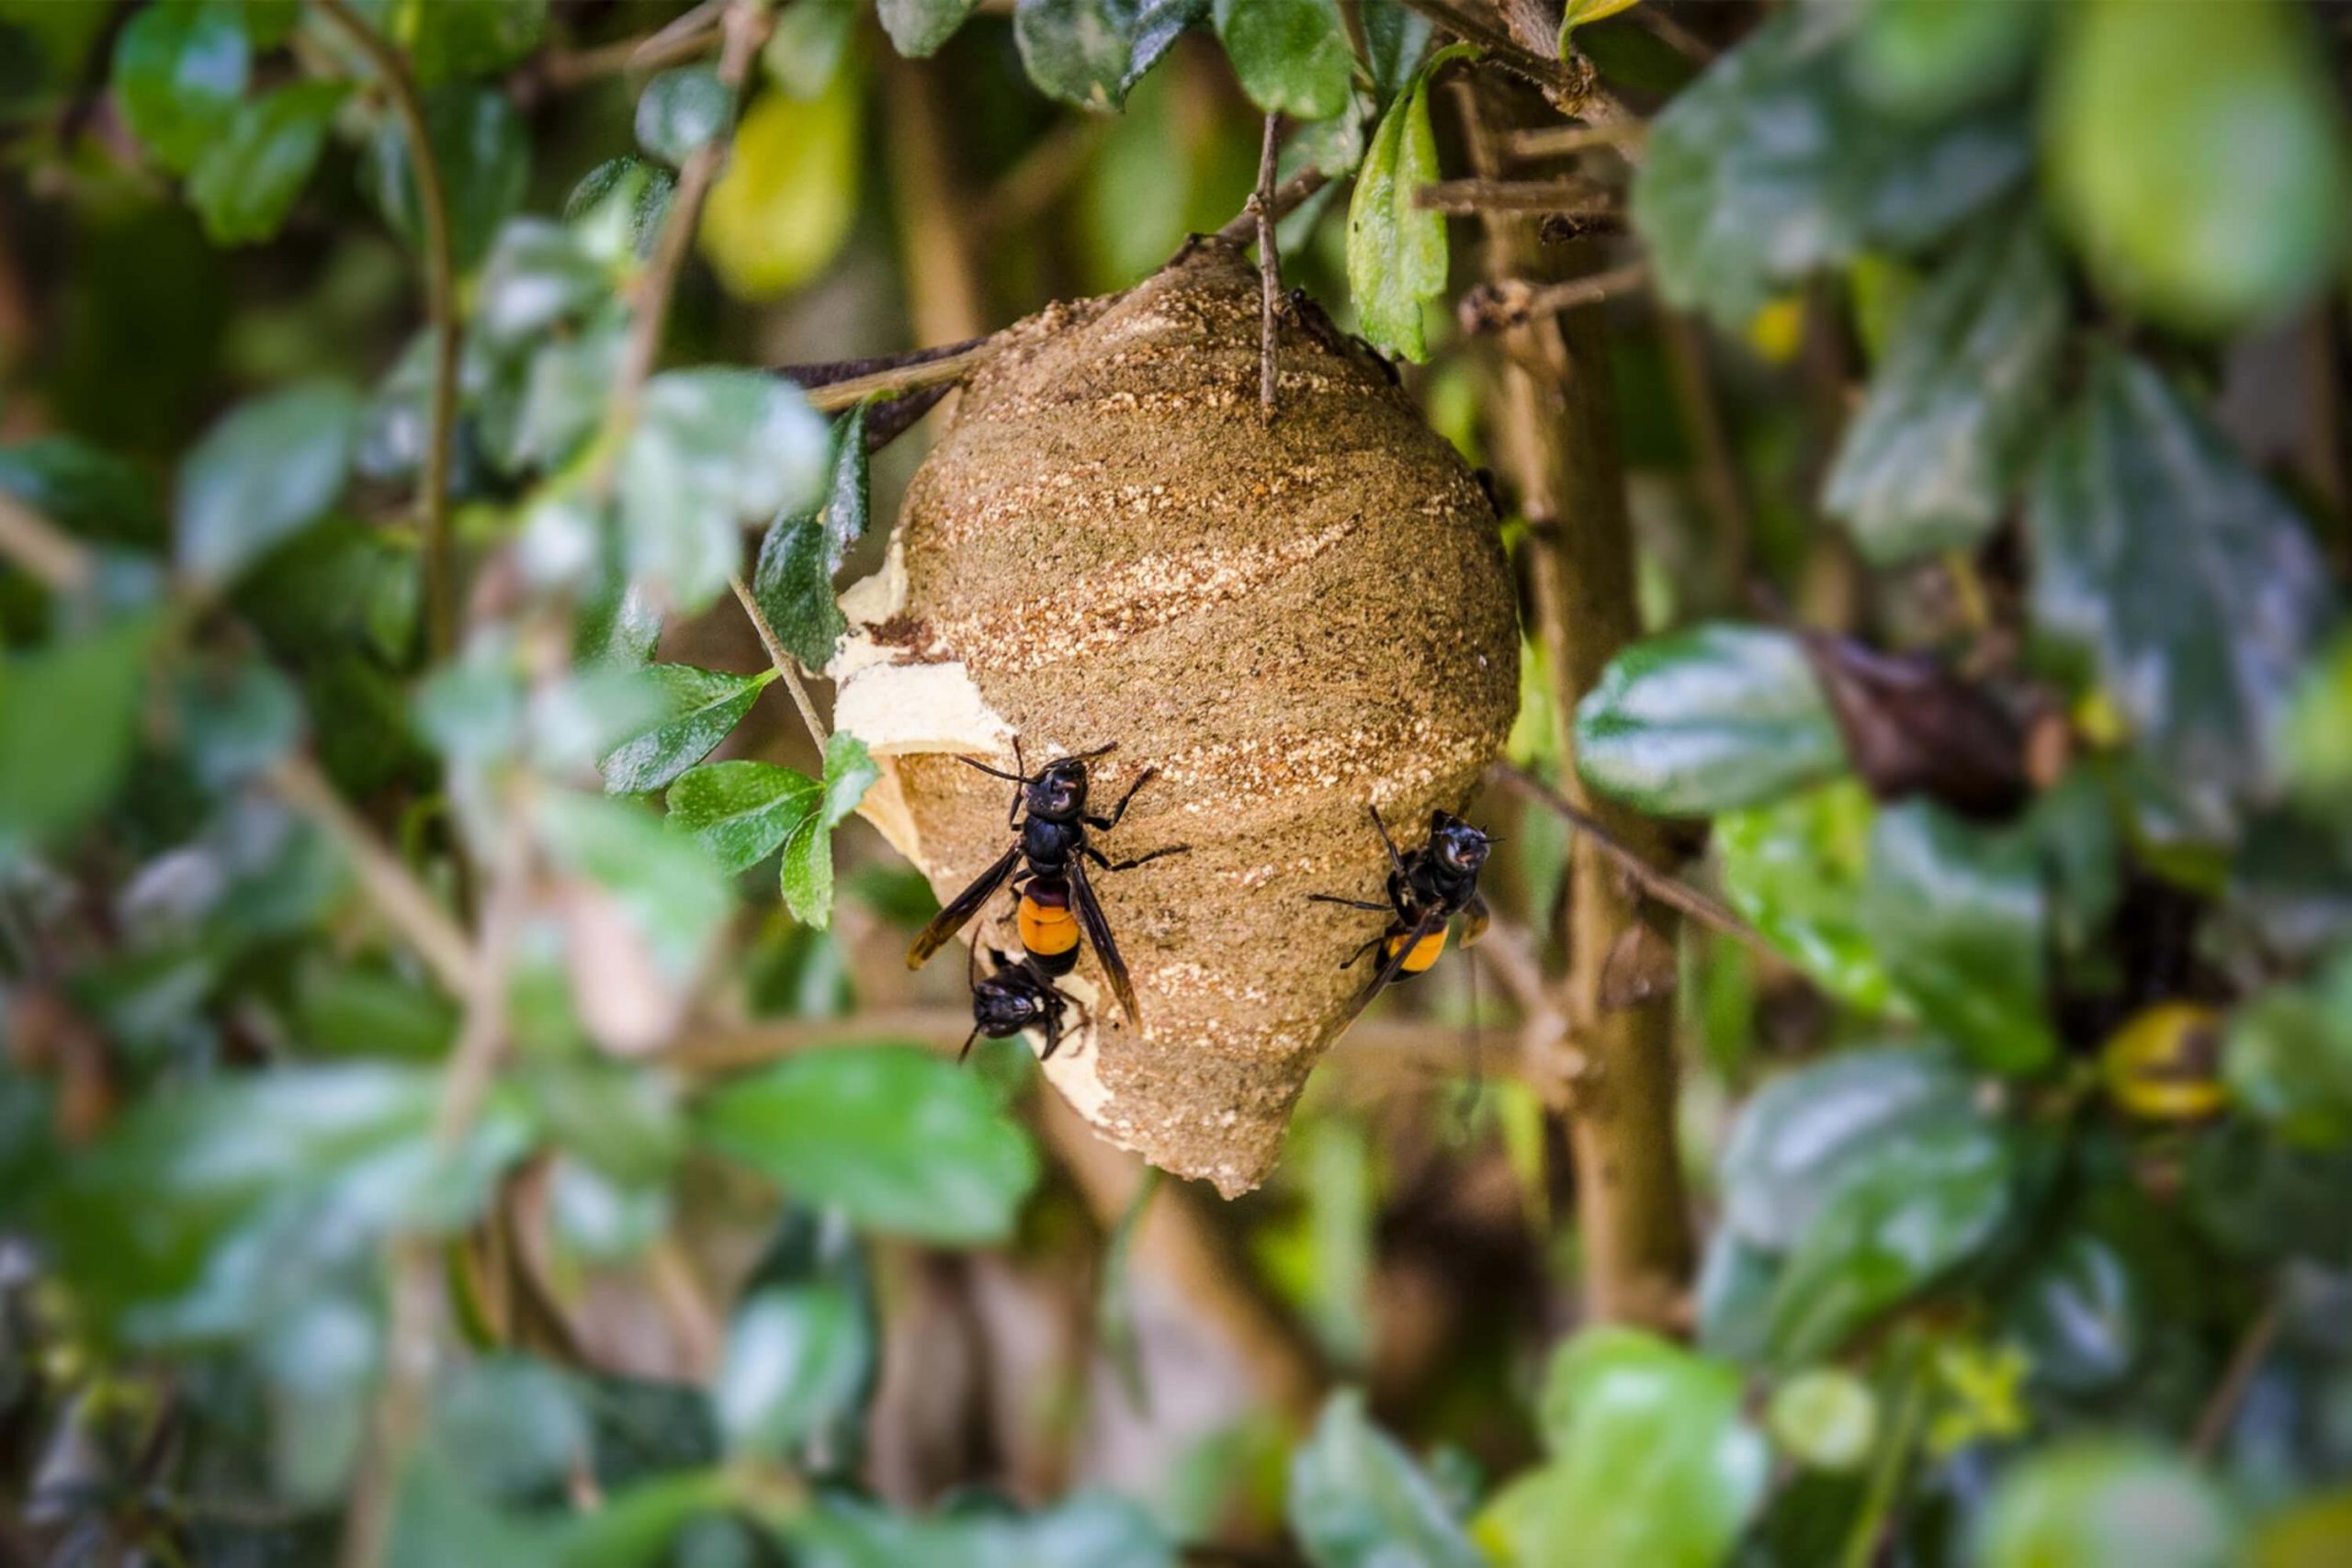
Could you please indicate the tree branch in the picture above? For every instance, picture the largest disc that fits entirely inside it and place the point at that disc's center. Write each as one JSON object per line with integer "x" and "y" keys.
{"x": 786, "y": 665}
{"x": 1513, "y": 301}
{"x": 48, "y": 553}
{"x": 1474, "y": 198}
{"x": 1269, "y": 270}
{"x": 412, "y": 912}
{"x": 441, "y": 315}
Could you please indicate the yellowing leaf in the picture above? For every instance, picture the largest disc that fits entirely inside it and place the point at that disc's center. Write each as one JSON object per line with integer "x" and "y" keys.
{"x": 780, "y": 212}
{"x": 1579, "y": 12}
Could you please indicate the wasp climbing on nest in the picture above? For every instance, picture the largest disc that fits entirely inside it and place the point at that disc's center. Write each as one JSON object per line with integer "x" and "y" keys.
{"x": 1048, "y": 865}
{"x": 1427, "y": 887}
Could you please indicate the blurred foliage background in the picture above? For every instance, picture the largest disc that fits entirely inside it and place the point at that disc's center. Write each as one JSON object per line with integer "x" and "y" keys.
{"x": 415, "y": 1147}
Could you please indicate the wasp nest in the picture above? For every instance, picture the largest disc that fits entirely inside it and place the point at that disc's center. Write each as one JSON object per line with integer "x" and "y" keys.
{"x": 1288, "y": 622}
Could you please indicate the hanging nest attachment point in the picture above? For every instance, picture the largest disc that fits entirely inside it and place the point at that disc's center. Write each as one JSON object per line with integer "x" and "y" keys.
{"x": 1287, "y": 622}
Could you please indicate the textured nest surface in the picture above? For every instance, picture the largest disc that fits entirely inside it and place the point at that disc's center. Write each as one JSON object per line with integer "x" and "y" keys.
{"x": 1287, "y": 622}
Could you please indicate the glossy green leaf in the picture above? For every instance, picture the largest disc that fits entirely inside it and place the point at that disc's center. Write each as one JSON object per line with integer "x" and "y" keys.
{"x": 1357, "y": 1500}
{"x": 742, "y": 811}
{"x": 449, "y": 38}
{"x": 1923, "y": 60}
{"x": 1734, "y": 1286}
{"x": 798, "y": 1359}
{"x": 712, "y": 449}
{"x": 245, "y": 182}
{"x": 1293, "y": 56}
{"x": 794, "y": 577}
{"x": 1711, "y": 718}
{"x": 2178, "y": 577}
{"x": 895, "y": 1137}
{"x": 1912, "y": 1210}
{"x": 682, "y": 111}
{"x": 2195, "y": 149}
{"x": 618, "y": 626}
{"x": 69, "y": 716}
{"x": 1955, "y": 408}
{"x": 485, "y": 157}
{"x": 2106, "y": 1502}
{"x": 264, "y": 472}
{"x": 918, "y": 28}
{"x": 87, "y": 492}
{"x": 1397, "y": 253}
{"x": 1801, "y": 1138}
{"x": 1394, "y": 39}
{"x": 1088, "y": 53}
{"x": 1657, "y": 1467}
{"x": 698, "y": 709}
{"x": 1770, "y": 167}
{"x": 2289, "y": 1059}
{"x": 808, "y": 866}
{"x": 1960, "y": 916}
{"x": 1795, "y": 871}
{"x": 536, "y": 275}
{"x": 673, "y": 899}
{"x": 2080, "y": 1314}
{"x": 179, "y": 70}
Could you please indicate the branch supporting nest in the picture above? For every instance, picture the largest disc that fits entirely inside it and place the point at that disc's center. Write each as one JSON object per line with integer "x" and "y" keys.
{"x": 1510, "y": 302}
{"x": 1269, "y": 270}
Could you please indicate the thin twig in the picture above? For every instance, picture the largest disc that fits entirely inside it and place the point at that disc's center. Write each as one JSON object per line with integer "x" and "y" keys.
{"x": 786, "y": 665}
{"x": 441, "y": 314}
{"x": 1720, "y": 476}
{"x": 1472, "y": 28}
{"x": 1670, "y": 891}
{"x": 945, "y": 370}
{"x": 1269, "y": 270}
{"x": 1563, "y": 140}
{"x": 2222, "y": 1408}
{"x": 1469, "y": 198}
{"x": 48, "y": 554}
{"x": 1513, "y": 302}
{"x": 412, "y": 912}
{"x": 1288, "y": 196}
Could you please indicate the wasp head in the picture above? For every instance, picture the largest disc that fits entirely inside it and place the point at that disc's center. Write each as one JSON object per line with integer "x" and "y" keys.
{"x": 1057, "y": 792}
{"x": 1459, "y": 847}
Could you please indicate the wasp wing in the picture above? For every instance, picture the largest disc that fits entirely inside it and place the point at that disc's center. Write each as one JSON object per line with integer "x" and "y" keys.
{"x": 1432, "y": 923}
{"x": 1098, "y": 932}
{"x": 961, "y": 908}
{"x": 1478, "y": 918}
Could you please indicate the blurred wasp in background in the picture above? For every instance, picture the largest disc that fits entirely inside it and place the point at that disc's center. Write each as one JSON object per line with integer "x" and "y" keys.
{"x": 1047, "y": 866}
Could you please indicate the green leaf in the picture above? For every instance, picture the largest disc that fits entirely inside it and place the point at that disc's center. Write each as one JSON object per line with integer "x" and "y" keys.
{"x": 2079, "y": 1314}
{"x": 682, "y": 111}
{"x": 798, "y": 1360}
{"x": 895, "y": 1137}
{"x": 1576, "y": 14}
{"x": 918, "y": 28}
{"x": 1711, "y": 718}
{"x": 1960, "y": 916}
{"x": 1292, "y": 56}
{"x": 1804, "y": 1135}
{"x": 84, "y": 489}
{"x": 1770, "y": 167}
{"x": 809, "y": 848}
{"x": 1925, "y": 60}
{"x": 1827, "y": 1420}
{"x": 618, "y": 626}
{"x": 179, "y": 69}
{"x": 783, "y": 209}
{"x": 245, "y": 182}
{"x": 1954, "y": 410}
{"x": 485, "y": 157}
{"x": 2289, "y": 1059}
{"x": 264, "y": 472}
{"x": 1794, "y": 871}
{"x": 698, "y": 709}
{"x": 2106, "y": 1502}
{"x": 473, "y": 38}
{"x": 2169, "y": 567}
{"x": 537, "y": 275}
{"x": 711, "y": 449}
{"x": 2196, "y": 153}
{"x": 794, "y": 579}
{"x": 803, "y": 56}
{"x": 233, "y": 722}
{"x": 1912, "y": 1210}
{"x": 1357, "y": 1500}
{"x": 69, "y": 716}
{"x": 1397, "y": 253}
{"x": 742, "y": 811}
{"x": 1656, "y": 1468}
{"x": 1394, "y": 39}
{"x": 1088, "y": 53}
{"x": 672, "y": 898}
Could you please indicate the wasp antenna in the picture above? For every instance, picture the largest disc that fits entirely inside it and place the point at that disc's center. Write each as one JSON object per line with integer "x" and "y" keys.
{"x": 1106, "y": 748}
{"x": 993, "y": 772}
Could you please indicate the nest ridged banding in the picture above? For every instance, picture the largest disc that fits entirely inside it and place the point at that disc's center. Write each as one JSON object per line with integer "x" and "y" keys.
{"x": 1287, "y": 621}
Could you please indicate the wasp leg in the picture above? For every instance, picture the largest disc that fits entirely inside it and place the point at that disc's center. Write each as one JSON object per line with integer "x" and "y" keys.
{"x": 1096, "y": 856}
{"x": 1354, "y": 958}
{"x": 1106, "y": 823}
{"x": 1350, "y": 903}
{"x": 1395, "y": 861}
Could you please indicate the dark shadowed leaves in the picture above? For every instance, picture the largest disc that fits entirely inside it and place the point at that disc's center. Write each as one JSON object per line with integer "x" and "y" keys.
{"x": 896, "y": 1138}
{"x": 2178, "y": 577}
{"x": 794, "y": 577}
{"x": 1911, "y": 1211}
{"x": 1770, "y": 167}
{"x": 1943, "y": 439}
{"x": 1959, "y": 917}
{"x": 1911, "y": 727}
{"x": 179, "y": 69}
{"x": 445, "y": 42}
{"x": 1654, "y": 1464}
{"x": 2154, "y": 115}
{"x": 69, "y": 713}
{"x": 266, "y": 469}
{"x": 918, "y": 28}
{"x": 1357, "y": 1500}
{"x": 245, "y": 182}
{"x": 1395, "y": 38}
{"x": 1704, "y": 720}
{"x": 698, "y": 709}
{"x": 1292, "y": 56}
{"x": 1090, "y": 53}
{"x": 485, "y": 157}
{"x": 1803, "y": 1138}
{"x": 2288, "y": 1060}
